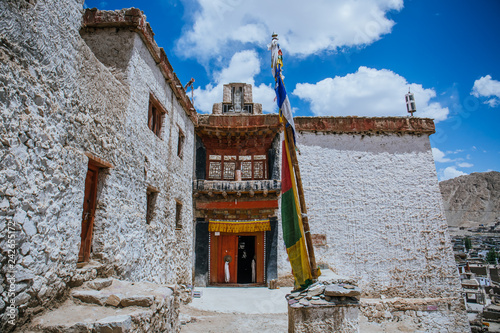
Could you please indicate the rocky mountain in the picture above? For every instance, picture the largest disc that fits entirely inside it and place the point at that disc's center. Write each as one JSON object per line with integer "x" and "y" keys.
{"x": 472, "y": 200}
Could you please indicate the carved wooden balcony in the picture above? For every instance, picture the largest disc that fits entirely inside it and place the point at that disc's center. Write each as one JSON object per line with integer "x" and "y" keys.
{"x": 250, "y": 187}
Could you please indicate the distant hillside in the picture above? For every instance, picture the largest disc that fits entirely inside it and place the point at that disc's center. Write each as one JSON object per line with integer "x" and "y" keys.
{"x": 472, "y": 200}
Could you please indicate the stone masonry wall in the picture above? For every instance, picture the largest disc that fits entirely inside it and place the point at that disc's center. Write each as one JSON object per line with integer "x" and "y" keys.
{"x": 376, "y": 199}
{"x": 158, "y": 165}
{"x": 57, "y": 102}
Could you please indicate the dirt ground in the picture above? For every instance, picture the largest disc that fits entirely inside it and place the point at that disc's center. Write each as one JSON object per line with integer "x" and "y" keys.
{"x": 216, "y": 322}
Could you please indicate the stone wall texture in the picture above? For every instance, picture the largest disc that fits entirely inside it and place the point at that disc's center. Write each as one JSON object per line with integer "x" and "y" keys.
{"x": 376, "y": 199}
{"x": 62, "y": 96}
{"x": 339, "y": 319}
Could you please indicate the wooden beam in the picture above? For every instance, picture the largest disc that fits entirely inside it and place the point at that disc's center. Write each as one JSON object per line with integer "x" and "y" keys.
{"x": 225, "y": 205}
{"x": 99, "y": 162}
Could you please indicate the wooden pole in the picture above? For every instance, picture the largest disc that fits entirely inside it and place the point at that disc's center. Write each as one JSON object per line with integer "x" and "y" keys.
{"x": 303, "y": 208}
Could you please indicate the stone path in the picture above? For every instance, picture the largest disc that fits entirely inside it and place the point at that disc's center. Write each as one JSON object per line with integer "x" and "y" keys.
{"x": 200, "y": 321}
{"x": 228, "y": 309}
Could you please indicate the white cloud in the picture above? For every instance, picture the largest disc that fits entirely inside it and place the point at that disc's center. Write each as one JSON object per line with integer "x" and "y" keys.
{"x": 487, "y": 87}
{"x": 451, "y": 172}
{"x": 455, "y": 151}
{"x": 439, "y": 156}
{"x": 243, "y": 67}
{"x": 492, "y": 102}
{"x": 304, "y": 29}
{"x": 465, "y": 165}
{"x": 368, "y": 92}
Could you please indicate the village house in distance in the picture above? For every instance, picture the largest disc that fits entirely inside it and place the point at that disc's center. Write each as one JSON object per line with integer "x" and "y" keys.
{"x": 107, "y": 170}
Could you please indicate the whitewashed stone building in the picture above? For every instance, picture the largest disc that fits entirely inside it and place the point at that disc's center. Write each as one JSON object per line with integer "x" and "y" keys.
{"x": 376, "y": 215}
{"x": 97, "y": 164}
{"x": 93, "y": 120}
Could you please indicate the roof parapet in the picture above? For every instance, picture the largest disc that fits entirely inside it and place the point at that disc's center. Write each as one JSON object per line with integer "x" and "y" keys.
{"x": 365, "y": 125}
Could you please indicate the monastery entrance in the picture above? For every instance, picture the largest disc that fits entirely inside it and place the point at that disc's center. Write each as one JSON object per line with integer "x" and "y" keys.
{"x": 237, "y": 259}
{"x": 246, "y": 259}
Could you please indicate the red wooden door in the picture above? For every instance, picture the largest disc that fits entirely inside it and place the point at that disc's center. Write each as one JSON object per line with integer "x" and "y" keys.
{"x": 89, "y": 203}
{"x": 228, "y": 248}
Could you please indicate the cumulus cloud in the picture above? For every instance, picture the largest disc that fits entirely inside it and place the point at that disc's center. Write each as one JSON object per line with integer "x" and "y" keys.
{"x": 368, "y": 92}
{"x": 243, "y": 67}
{"x": 451, "y": 172}
{"x": 439, "y": 156}
{"x": 487, "y": 87}
{"x": 304, "y": 29}
{"x": 465, "y": 165}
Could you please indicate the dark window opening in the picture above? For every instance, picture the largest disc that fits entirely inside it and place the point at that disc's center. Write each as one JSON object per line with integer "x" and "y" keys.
{"x": 229, "y": 108}
{"x": 178, "y": 215}
{"x": 156, "y": 115}
{"x": 151, "y": 204}
{"x": 180, "y": 143}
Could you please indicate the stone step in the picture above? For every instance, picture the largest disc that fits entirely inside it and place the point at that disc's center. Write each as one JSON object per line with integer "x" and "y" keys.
{"x": 112, "y": 292}
{"x": 76, "y": 318}
{"x": 114, "y": 306}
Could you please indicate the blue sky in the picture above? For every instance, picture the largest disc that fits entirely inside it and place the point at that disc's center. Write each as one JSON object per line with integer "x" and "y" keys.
{"x": 349, "y": 58}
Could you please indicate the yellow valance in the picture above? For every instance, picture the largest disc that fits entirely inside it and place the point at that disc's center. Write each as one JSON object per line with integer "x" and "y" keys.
{"x": 239, "y": 226}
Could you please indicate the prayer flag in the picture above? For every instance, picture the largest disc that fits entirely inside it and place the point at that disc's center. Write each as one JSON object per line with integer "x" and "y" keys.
{"x": 291, "y": 217}
{"x": 291, "y": 222}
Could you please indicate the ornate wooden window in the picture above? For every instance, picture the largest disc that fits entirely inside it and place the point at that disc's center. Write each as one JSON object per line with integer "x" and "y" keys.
{"x": 246, "y": 167}
{"x": 259, "y": 162}
{"x": 224, "y": 167}
{"x": 229, "y": 167}
{"x": 214, "y": 167}
{"x": 156, "y": 116}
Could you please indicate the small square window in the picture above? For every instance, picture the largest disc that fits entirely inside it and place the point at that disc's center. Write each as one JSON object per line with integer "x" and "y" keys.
{"x": 178, "y": 215}
{"x": 180, "y": 143}
{"x": 156, "y": 115}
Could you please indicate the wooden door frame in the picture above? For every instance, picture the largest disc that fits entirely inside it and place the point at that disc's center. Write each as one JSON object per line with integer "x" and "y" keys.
{"x": 88, "y": 229}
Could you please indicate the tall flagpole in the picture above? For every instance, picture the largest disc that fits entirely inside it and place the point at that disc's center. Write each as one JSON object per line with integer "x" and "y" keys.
{"x": 286, "y": 113}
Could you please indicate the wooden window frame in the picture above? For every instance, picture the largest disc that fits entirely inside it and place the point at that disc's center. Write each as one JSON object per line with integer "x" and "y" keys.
{"x": 238, "y": 166}
{"x": 156, "y": 116}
